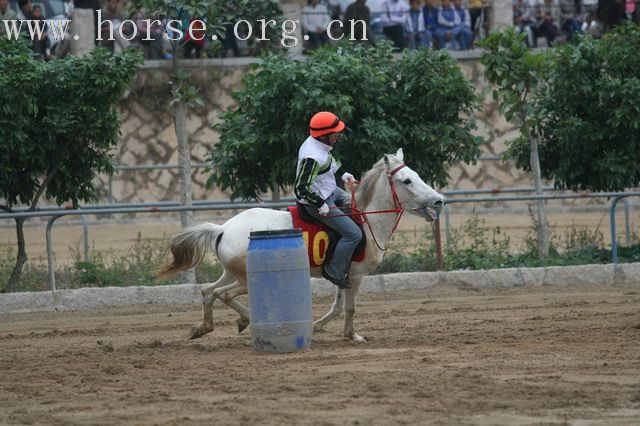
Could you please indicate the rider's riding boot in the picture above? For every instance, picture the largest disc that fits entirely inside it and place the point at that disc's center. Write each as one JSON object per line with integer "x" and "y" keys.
{"x": 341, "y": 283}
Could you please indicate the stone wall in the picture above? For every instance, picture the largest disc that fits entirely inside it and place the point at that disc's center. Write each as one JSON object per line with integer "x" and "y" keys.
{"x": 148, "y": 135}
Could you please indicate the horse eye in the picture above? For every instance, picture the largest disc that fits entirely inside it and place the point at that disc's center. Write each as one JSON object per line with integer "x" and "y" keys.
{"x": 407, "y": 181}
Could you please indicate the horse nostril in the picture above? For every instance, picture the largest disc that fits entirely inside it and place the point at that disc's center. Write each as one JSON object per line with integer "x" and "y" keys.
{"x": 438, "y": 203}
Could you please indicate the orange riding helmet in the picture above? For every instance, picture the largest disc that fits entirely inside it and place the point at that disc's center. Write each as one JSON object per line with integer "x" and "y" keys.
{"x": 325, "y": 122}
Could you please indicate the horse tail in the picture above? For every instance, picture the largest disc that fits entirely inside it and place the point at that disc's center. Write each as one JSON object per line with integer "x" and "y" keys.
{"x": 189, "y": 247}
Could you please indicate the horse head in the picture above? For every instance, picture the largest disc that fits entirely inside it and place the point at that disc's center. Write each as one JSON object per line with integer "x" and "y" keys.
{"x": 414, "y": 195}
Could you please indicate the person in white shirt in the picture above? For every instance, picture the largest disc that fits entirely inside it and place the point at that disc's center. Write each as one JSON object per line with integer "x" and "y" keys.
{"x": 465, "y": 37}
{"x": 448, "y": 26}
{"x": 394, "y": 15}
{"x": 414, "y": 26}
{"x": 315, "y": 20}
{"x": 317, "y": 193}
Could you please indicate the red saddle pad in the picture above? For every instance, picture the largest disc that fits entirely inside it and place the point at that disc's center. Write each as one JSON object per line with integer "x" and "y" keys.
{"x": 316, "y": 239}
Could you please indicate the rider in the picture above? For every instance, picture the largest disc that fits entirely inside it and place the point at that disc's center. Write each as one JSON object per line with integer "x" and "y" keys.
{"x": 316, "y": 190}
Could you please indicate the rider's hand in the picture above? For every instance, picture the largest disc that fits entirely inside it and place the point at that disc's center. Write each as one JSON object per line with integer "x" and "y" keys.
{"x": 324, "y": 210}
{"x": 348, "y": 177}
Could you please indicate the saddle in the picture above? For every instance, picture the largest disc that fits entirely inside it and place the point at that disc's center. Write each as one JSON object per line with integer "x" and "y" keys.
{"x": 320, "y": 239}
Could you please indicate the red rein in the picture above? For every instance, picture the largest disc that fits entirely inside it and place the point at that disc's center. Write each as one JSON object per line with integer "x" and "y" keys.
{"x": 398, "y": 209}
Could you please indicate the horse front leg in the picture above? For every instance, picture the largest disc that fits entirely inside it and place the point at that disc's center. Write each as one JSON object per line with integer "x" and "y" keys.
{"x": 335, "y": 310}
{"x": 350, "y": 310}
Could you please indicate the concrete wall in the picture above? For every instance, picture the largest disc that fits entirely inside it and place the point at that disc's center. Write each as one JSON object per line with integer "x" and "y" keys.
{"x": 148, "y": 135}
{"x": 91, "y": 298}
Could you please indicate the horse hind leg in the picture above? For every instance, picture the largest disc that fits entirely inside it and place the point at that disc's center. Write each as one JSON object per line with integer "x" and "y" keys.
{"x": 208, "y": 298}
{"x": 228, "y": 294}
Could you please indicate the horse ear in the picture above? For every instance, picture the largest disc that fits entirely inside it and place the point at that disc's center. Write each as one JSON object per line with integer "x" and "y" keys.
{"x": 386, "y": 162}
{"x": 400, "y": 154}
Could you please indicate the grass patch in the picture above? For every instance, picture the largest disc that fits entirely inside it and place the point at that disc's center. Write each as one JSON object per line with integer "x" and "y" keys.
{"x": 137, "y": 266}
{"x": 472, "y": 246}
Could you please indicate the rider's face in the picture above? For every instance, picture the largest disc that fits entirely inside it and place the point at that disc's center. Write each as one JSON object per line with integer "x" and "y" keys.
{"x": 333, "y": 138}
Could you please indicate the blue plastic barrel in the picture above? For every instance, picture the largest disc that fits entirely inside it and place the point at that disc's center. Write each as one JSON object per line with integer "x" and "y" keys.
{"x": 279, "y": 291}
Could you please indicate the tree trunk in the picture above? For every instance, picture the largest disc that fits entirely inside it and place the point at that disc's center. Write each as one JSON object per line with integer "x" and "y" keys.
{"x": 184, "y": 162}
{"x": 20, "y": 260}
{"x": 184, "y": 154}
{"x": 542, "y": 225}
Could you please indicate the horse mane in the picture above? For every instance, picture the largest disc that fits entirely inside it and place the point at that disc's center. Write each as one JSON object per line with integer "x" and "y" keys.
{"x": 367, "y": 186}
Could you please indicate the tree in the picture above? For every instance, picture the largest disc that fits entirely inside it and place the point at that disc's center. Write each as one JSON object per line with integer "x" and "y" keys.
{"x": 587, "y": 116}
{"x": 517, "y": 73}
{"x": 419, "y": 102}
{"x": 58, "y": 126}
{"x": 216, "y": 14}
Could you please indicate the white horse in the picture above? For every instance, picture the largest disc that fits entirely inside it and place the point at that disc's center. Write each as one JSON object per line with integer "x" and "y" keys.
{"x": 377, "y": 192}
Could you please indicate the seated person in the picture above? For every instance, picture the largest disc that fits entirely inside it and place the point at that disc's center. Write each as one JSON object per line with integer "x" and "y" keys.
{"x": 430, "y": 14}
{"x": 393, "y": 18}
{"x": 448, "y": 26}
{"x": 547, "y": 18}
{"x": 315, "y": 20}
{"x": 523, "y": 20}
{"x": 414, "y": 26}
{"x": 569, "y": 22}
{"x": 465, "y": 37}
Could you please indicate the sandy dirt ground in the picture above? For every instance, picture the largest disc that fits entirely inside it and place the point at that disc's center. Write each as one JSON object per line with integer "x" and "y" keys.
{"x": 446, "y": 355}
{"x": 110, "y": 237}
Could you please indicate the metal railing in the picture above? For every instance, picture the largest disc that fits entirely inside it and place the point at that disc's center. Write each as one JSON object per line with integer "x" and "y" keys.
{"x": 166, "y": 207}
{"x": 55, "y": 215}
{"x": 616, "y": 196}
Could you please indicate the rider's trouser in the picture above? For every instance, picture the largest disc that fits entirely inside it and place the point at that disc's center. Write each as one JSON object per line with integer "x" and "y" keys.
{"x": 345, "y": 226}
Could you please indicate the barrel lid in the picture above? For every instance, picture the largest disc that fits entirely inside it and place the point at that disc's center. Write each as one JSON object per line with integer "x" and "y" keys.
{"x": 276, "y": 233}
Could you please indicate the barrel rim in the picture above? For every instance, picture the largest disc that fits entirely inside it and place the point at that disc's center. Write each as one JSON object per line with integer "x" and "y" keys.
{"x": 276, "y": 233}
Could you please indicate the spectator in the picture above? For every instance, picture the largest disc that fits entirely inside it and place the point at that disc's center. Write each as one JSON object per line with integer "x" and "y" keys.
{"x": 448, "y": 26}
{"x": 523, "y": 20}
{"x": 358, "y": 11}
{"x": 476, "y": 11}
{"x": 430, "y": 13}
{"x": 465, "y": 37}
{"x": 41, "y": 45}
{"x": 592, "y": 25}
{"x": 230, "y": 42}
{"x": 153, "y": 47}
{"x": 630, "y": 9}
{"x": 5, "y": 14}
{"x": 569, "y": 22}
{"x": 547, "y": 17}
{"x": 610, "y": 12}
{"x": 112, "y": 18}
{"x": 393, "y": 18}
{"x": 315, "y": 20}
{"x": 192, "y": 47}
{"x": 414, "y": 26}
{"x": 25, "y": 11}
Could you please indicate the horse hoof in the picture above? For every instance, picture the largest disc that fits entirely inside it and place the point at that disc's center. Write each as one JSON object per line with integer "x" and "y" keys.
{"x": 356, "y": 338}
{"x": 242, "y": 324}
{"x": 197, "y": 332}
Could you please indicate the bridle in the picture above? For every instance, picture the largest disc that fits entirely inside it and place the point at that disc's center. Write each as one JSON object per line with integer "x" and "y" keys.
{"x": 398, "y": 209}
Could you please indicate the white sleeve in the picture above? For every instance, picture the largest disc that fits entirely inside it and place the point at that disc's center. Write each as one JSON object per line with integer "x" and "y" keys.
{"x": 326, "y": 18}
{"x": 306, "y": 19}
{"x": 442, "y": 20}
{"x": 385, "y": 17}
